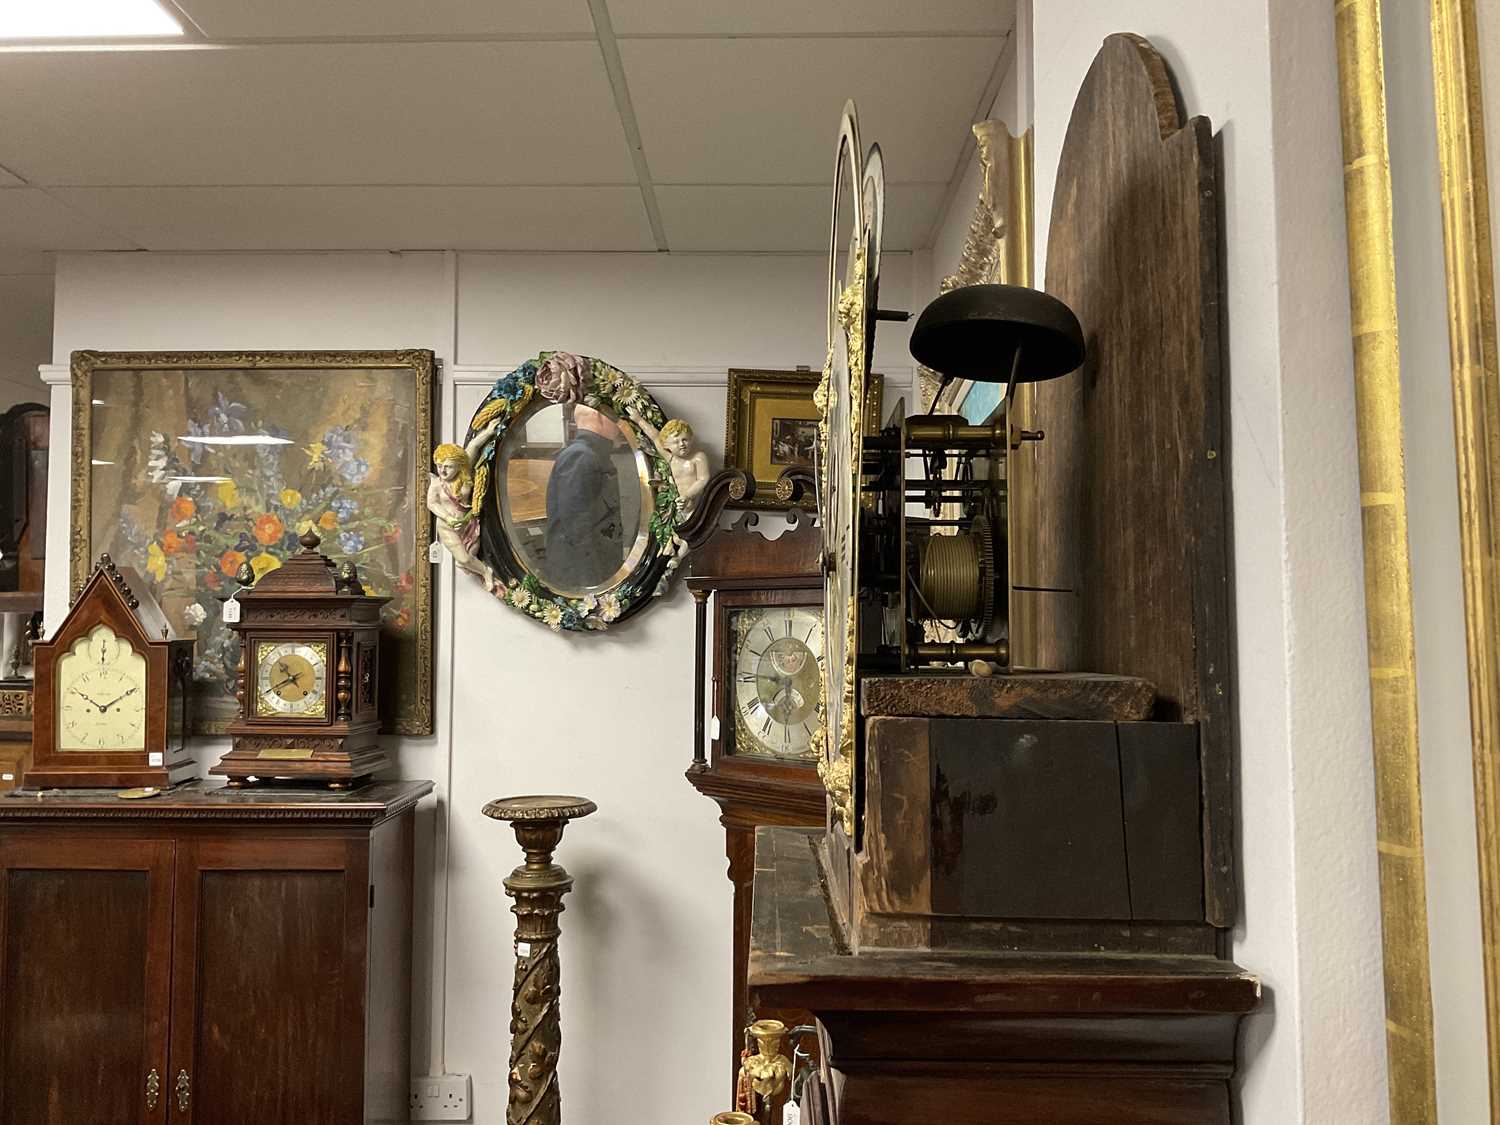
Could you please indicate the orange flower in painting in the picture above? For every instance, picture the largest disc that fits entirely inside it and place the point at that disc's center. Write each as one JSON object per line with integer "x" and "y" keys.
{"x": 328, "y": 521}
{"x": 171, "y": 542}
{"x": 230, "y": 562}
{"x": 268, "y": 529}
{"x": 183, "y": 509}
{"x": 403, "y": 619}
{"x": 212, "y": 580}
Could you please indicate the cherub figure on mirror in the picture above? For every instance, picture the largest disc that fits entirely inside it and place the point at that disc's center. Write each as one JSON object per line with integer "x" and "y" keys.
{"x": 674, "y": 441}
{"x": 450, "y": 498}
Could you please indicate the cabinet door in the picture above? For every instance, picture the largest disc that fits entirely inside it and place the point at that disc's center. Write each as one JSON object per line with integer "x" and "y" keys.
{"x": 85, "y": 948}
{"x": 268, "y": 988}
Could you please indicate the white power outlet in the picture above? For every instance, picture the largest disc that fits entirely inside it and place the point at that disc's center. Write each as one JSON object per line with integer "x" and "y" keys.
{"x": 440, "y": 1097}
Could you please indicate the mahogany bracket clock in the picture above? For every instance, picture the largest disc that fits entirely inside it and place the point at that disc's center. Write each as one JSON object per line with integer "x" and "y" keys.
{"x": 308, "y": 677}
{"x": 111, "y": 691}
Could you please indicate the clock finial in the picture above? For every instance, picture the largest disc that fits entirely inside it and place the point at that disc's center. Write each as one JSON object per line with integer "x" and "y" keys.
{"x": 309, "y": 540}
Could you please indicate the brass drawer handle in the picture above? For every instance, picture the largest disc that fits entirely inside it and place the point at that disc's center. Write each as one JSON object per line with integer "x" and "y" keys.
{"x": 153, "y": 1088}
{"x": 184, "y": 1090}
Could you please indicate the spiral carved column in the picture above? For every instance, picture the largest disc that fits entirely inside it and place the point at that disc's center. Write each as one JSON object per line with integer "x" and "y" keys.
{"x": 537, "y": 887}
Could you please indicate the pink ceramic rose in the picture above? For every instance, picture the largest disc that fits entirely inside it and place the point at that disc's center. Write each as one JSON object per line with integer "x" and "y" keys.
{"x": 562, "y": 377}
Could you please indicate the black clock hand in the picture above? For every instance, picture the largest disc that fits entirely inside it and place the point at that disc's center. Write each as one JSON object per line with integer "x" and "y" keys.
{"x": 86, "y": 698}
{"x": 103, "y": 707}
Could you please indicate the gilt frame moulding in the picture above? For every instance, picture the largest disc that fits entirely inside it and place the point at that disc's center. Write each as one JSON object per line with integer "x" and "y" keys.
{"x": 1410, "y": 1046}
{"x": 1475, "y": 361}
{"x": 402, "y": 528}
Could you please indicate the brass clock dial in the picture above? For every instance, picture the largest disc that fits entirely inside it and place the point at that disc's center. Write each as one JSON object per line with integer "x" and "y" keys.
{"x": 777, "y": 680}
{"x": 291, "y": 678}
{"x": 101, "y": 695}
{"x": 853, "y": 281}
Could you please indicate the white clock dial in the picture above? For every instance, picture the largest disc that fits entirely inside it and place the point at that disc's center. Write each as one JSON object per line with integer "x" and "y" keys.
{"x": 101, "y": 695}
{"x": 777, "y": 680}
{"x": 291, "y": 678}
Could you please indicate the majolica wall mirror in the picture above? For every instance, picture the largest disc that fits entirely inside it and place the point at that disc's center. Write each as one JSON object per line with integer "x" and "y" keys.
{"x": 573, "y": 497}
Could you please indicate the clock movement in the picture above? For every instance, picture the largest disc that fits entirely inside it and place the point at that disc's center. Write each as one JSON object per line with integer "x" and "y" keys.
{"x": 111, "y": 691}
{"x": 308, "y": 677}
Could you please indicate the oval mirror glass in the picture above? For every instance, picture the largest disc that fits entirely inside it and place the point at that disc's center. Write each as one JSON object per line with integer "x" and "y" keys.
{"x": 574, "y": 493}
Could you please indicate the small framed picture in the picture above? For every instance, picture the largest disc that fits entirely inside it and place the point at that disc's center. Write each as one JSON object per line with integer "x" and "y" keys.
{"x": 772, "y": 425}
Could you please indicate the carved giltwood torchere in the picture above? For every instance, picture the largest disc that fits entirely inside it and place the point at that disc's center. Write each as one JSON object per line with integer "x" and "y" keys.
{"x": 537, "y": 886}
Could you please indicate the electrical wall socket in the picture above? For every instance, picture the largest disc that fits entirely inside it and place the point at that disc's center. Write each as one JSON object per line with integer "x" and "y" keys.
{"x": 440, "y": 1097}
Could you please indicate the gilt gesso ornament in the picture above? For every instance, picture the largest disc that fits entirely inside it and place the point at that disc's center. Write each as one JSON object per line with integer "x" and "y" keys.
{"x": 572, "y": 493}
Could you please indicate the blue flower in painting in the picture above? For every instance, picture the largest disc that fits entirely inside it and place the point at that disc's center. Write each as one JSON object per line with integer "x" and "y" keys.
{"x": 339, "y": 444}
{"x": 570, "y": 619}
{"x": 511, "y": 387}
{"x": 352, "y": 542}
{"x": 345, "y": 508}
{"x": 356, "y": 470}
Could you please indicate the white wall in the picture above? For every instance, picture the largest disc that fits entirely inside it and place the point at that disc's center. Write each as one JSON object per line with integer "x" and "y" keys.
{"x": 646, "y": 945}
{"x": 25, "y": 325}
{"x": 1265, "y": 74}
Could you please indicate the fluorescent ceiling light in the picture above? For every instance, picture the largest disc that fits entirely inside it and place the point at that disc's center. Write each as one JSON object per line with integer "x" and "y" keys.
{"x": 101, "y": 462}
{"x": 84, "y": 19}
{"x": 233, "y": 439}
{"x": 200, "y": 480}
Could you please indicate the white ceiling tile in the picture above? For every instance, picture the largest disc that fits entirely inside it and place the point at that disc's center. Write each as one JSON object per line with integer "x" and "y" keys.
{"x": 314, "y": 114}
{"x": 30, "y": 219}
{"x": 767, "y": 110}
{"x": 373, "y": 218}
{"x": 295, "y": 19}
{"x": 785, "y": 218}
{"x": 791, "y": 17}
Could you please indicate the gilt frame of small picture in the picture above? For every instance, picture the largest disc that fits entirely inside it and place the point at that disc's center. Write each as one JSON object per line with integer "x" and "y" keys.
{"x": 771, "y": 425}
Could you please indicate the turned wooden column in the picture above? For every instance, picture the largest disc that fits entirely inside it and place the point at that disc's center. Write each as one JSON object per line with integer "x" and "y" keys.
{"x": 537, "y": 887}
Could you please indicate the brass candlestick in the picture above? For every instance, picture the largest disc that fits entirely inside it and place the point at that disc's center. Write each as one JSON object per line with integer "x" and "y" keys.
{"x": 537, "y": 886}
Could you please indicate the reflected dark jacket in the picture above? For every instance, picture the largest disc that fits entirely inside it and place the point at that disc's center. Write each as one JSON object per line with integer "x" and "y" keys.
{"x": 584, "y": 532}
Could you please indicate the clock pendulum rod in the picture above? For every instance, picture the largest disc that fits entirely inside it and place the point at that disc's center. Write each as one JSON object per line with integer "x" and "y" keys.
{"x": 538, "y": 887}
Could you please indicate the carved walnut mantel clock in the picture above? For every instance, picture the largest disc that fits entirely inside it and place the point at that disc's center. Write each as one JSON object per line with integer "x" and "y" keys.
{"x": 308, "y": 677}
{"x": 111, "y": 691}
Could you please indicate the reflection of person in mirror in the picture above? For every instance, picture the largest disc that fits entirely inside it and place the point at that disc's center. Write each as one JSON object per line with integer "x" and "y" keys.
{"x": 450, "y": 495}
{"x": 674, "y": 441}
{"x": 584, "y": 530}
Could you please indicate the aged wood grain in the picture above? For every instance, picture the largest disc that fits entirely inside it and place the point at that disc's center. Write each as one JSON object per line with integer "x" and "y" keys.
{"x": 1065, "y": 695}
{"x": 973, "y": 1039}
{"x": 1131, "y": 477}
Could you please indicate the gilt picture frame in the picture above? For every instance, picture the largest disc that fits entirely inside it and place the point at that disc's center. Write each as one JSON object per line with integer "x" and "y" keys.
{"x": 771, "y": 425}
{"x": 189, "y": 465}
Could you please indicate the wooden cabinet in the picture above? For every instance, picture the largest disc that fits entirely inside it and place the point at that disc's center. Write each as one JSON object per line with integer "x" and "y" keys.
{"x": 207, "y": 956}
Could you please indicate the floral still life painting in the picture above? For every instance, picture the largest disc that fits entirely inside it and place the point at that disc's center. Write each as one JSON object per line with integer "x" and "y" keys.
{"x": 195, "y": 466}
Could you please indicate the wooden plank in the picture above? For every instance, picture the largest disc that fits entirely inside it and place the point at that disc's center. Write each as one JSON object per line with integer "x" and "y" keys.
{"x": 1063, "y": 695}
{"x": 796, "y": 961}
{"x": 1163, "y": 842}
{"x": 895, "y": 869}
{"x": 1131, "y": 476}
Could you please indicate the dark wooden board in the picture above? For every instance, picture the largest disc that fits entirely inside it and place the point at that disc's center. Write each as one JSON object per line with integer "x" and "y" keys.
{"x": 202, "y": 800}
{"x": 1061, "y": 695}
{"x": 1130, "y": 480}
{"x": 1163, "y": 839}
{"x": 1026, "y": 820}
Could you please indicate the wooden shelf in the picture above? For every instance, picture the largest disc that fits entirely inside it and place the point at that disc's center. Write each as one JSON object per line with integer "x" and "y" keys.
{"x": 20, "y": 601}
